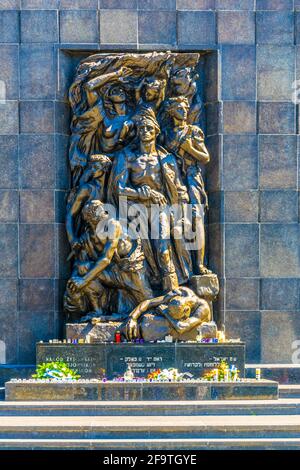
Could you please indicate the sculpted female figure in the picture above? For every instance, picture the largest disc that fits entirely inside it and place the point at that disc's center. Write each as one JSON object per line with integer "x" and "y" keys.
{"x": 187, "y": 143}
{"x": 100, "y": 122}
{"x": 182, "y": 84}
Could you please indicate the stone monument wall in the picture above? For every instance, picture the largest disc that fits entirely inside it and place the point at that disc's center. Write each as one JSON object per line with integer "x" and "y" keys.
{"x": 247, "y": 77}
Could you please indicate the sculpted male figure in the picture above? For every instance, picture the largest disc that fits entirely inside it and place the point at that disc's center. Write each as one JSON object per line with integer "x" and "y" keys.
{"x": 108, "y": 259}
{"x": 182, "y": 308}
{"x": 150, "y": 176}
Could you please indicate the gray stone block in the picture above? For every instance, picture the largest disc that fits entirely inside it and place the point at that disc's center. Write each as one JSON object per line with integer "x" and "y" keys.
{"x": 81, "y": 4}
{"x": 238, "y": 73}
{"x": 8, "y": 294}
{"x": 242, "y": 294}
{"x": 9, "y": 117}
{"x": 62, "y": 162}
{"x": 126, "y": 4}
{"x": 239, "y": 117}
{"x": 206, "y": 285}
{"x": 279, "y": 250}
{"x": 279, "y": 294}
{"x": 9, "y": 26}
{"x": 8, "y": 372}
{"x": 241, "y": 250}
{"x": 235, "y": 4}
{"x": 101, "y": 332}
{"x": 36, "y": 295}
{"x": 156, "y": 5}
{"x": 215, "y": 249}
{"x": 275, "y": 27}
{"x": 8, "y": 334}
{"x": 279, "y": 331}
{"x": 274, "y": 4}
{"x": 195, "y": 4}
{"x": 196, "y": 27}
{"x": 216, "y": 207}
{"x": 275, "y": 72}
{"x": 240, "y": 168}
{"x": 37, "y": 72}
{"x": 60, "y": 206}
{"x": 9, "y": 250}
{"x": 241, "y": 206}
{"x": 79, "y": 26}
{"x": 9, "y": 64}
{"x": 9, "y": 205}
{"x": 297, "y": 27}
{"x": 37, "y": 206}
{"x": 278, "y": 173}
{"x": 213, "y": 171}
{"x": 212, "y": 78}
{"x": 9, "y": 161}
{"x": 236, "y": 27}
{"x": 278, "y": 206}
{"x": 118, "y": 27}
{"x": 37, "y": 165}
{"x": 62, "y": 117}
{"x": 40, "y": 4}
{"x": 276, "y": 118}
{"x": 36, "y": 117}
{"x": 10, "y": 4}
{"x": 39, "y": 26}
{"x": 37, "y": 251}
{"x": 247, "y": 326}
{"x": 63, "y": 267}
{"x": 33, "y": 327}
{"x": 157, "y": 27}
{"x": 214, "y": 118}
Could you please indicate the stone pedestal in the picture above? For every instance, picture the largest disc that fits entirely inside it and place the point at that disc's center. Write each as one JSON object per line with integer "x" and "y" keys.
{"x": 89, "y": 359}
{"x": 99, "y": 333}
{"x": 135, "y": 391}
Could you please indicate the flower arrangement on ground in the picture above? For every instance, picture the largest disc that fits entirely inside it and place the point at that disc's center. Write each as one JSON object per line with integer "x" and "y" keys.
{"x": 55, "y": 371}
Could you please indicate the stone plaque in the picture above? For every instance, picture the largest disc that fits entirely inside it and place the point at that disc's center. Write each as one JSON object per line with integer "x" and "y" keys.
{"x": 198, "y": 358}
{"x": 89, "y": 359}
{"x": 142, "y": 358}
{"x": 84, "y": 358}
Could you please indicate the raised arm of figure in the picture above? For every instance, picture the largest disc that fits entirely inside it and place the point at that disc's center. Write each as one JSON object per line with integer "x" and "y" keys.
{"x": 80, "y": 199}
{"x": 109, "y": 249}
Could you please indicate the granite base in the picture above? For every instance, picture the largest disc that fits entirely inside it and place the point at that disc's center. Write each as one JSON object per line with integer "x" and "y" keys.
{"x": 130, "y": 391}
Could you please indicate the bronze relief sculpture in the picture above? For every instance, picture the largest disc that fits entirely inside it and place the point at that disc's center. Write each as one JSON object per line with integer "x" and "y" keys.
{"x": 135, "y": 213}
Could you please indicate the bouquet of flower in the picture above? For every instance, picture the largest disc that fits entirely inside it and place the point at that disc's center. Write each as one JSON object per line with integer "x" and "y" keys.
{"x": 55, "y": 371}
{"x": 167, "y": 375}
{"x": 222, "y": 373}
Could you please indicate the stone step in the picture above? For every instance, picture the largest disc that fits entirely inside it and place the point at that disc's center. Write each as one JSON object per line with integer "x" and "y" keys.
{"x": 286, "y": 406}
{"x": 152, "y": 444}
{"x": 281, "y": 373}
{"x": 151, "y": 427}
{"x": 289, "y": 391}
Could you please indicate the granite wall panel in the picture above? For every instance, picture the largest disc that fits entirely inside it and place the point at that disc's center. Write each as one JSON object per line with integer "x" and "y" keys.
{"x": 252, "y": 120}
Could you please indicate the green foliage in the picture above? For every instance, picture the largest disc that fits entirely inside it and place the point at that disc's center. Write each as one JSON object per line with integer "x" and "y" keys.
{"x": 55, "y": 371}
